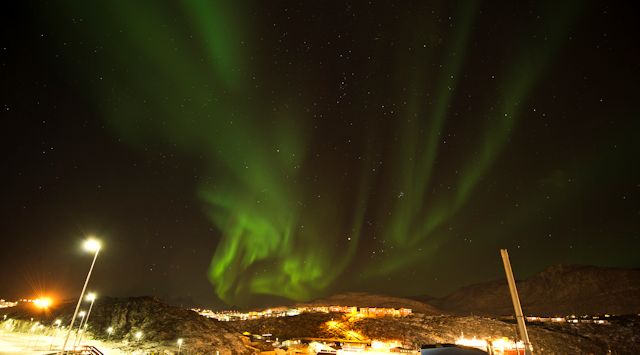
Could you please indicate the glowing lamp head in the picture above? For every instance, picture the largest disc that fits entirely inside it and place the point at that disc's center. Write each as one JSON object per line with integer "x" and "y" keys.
{"x": 91, "y": 297}
{"x": 92, "y": 244}
{"x": 82, "y": 313}
{"x": 58, "y": 322}
{"x": 110, "y": 330}
{"x": 138, "y": 335}
{"x": 180, "y": 341}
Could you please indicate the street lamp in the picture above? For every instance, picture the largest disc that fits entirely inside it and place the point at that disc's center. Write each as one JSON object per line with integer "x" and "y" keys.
{"x": 55, "y": 336}
{"x": 179, "y": 345}
{"x": 138, "y": 336}
{"x": 109, "y": 331}
{"x": 41, "y": 328}
{"x": 93, "y": 245}
{"x": 91, "y": 297}
{"x": 81, "y": 315}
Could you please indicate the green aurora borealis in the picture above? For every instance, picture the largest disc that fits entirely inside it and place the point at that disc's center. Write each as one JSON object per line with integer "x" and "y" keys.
{"x": 320, "y": 168}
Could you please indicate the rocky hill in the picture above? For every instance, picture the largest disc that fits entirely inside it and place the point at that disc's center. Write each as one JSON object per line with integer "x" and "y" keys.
{"x": 361, "y": 299}
{"x": 621, "y": 336}
{"x": 161, "y": 325}
{"x": 558, "y": 290}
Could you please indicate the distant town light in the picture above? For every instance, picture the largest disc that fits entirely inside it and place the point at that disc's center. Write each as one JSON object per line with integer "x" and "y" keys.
{"x": 473, "y": 343}
{"x": 332, "y": 324}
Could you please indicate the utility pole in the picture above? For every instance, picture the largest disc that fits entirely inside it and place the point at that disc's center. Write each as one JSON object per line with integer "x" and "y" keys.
{"x": 522, "y": 328}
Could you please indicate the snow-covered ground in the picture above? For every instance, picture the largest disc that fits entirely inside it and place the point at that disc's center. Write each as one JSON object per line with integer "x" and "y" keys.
{"x": 29, "y": 343}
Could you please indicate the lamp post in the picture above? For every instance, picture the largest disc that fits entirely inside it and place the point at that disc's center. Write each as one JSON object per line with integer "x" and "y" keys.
{"x": 41, "y": 327}
{"x": 55, "y": 336}
{"x": 32, "y": 330}
{"x": 90, "y": 244}
{"x": 109, "y": 331}
{"x": 81, "y": 315}
{"x": 90, "y": 297}
{"x": 180, "y": 341}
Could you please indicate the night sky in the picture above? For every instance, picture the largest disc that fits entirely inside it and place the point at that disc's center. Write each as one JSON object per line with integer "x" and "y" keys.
{"x": 255, "y": 152}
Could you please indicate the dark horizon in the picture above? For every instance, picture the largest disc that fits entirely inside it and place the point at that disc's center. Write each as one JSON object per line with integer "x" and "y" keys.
{"x": 253, "y": 153}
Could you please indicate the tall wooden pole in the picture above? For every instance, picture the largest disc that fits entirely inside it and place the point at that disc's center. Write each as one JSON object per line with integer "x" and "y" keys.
{"x": 522, "y": 328}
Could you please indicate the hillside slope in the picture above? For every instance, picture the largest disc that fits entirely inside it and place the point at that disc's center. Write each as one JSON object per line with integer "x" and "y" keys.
{"x": 161, "y": 325}
{"x": 558, "y": 290}
{"x": 620, "y": 336}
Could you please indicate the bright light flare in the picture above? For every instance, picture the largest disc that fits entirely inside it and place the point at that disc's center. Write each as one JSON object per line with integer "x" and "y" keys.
{"x": 180, "y": 341}
{"x": 500, "y": 345}
{"x": 91, "y": 297}
{"x": 503, "y": 344}
{"x": 385, "y": 345}
{"x": 42, "y": 302}
{"x": 92, "y": 244}
{"x": 138, "y": 335}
